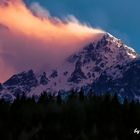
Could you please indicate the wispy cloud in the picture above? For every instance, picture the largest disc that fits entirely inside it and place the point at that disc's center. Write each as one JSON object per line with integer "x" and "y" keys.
{"x": 32, "y": 38}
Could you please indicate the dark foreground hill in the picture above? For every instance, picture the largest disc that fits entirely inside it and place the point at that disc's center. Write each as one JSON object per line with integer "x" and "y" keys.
{"x": 78, "y": 117}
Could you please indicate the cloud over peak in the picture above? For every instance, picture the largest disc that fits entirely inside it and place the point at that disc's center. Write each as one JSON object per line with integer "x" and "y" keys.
{"x": 32, "y": 38}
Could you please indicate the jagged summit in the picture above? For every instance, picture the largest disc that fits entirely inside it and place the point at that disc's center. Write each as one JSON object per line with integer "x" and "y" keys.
{"x": 104, "y": 65}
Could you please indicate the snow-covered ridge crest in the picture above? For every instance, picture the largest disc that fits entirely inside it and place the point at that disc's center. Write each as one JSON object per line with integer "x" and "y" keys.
{"x": 130, "y": 51}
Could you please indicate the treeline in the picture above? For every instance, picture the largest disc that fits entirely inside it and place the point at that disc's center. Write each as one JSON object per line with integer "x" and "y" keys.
{"x": 77, "y": 118}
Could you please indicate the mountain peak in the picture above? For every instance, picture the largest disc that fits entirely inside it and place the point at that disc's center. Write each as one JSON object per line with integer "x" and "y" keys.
{"x": 23, "y": 78}
{"x": 130, "y": 51}
{"x": 100, "y": 65}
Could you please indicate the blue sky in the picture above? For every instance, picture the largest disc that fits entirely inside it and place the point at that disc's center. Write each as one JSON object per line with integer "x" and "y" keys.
{"x": 119, "y": 17}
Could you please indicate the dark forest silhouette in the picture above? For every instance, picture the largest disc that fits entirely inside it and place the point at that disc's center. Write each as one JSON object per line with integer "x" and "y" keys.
{"x": 79, "y": 118}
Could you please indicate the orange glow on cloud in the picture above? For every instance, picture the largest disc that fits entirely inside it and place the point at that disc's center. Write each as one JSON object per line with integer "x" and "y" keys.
{"x": 37, "y": 38}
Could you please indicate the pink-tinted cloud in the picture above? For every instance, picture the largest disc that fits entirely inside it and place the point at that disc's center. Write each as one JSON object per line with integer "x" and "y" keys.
{"x": 32, "y": 39}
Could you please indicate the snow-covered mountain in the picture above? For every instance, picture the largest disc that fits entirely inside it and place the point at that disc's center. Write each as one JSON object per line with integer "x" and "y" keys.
{"x": 106, "y": 65}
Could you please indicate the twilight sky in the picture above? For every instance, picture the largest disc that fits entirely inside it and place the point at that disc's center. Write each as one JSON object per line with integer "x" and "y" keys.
{"x": 41, "y": 34}
{"x": 119, "y": 17}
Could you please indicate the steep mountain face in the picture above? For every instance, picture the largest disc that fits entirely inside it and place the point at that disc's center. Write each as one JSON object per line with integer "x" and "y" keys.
{"x": 126, "y": 86}
{"x": 1, "y": 87}
{"x": 106, "y": 65}
{"x": 43, "y": 79}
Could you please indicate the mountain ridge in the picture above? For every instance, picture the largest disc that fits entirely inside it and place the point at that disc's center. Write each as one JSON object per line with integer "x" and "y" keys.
{"x": 99, "y": 65}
